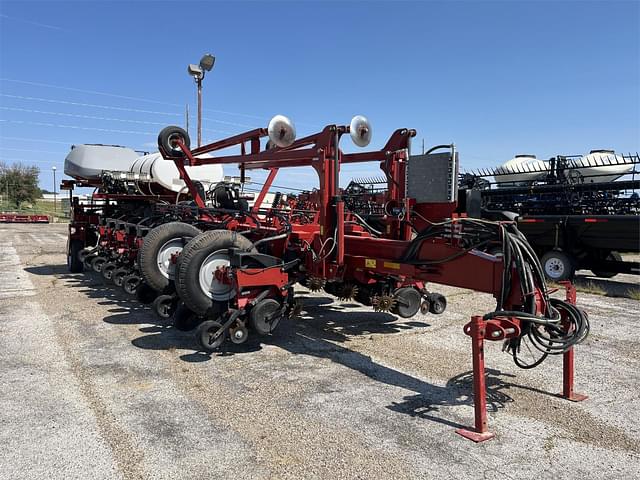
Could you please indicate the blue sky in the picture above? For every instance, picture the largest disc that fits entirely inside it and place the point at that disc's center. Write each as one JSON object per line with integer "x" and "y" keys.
{"x": 496, "y": 78}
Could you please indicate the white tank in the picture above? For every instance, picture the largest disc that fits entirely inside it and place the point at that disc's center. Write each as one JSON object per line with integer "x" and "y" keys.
{"x": 165, "y": 173}
{"x": 88, "y": 161}
{"x": 602, "y": 166}
{"x": 519, "y": 165}
{"x": 596, "y": 167}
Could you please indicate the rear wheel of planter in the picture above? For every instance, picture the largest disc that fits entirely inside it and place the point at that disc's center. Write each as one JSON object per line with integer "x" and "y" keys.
{"x": 130, "y": 283}
{"x": 157, "y": 249}
{"x": 74, "y": 262}
{"x": 195, "y": 281}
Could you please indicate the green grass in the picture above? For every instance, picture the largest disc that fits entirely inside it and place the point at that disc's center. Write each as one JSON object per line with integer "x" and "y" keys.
{"x": 41, "y": 207}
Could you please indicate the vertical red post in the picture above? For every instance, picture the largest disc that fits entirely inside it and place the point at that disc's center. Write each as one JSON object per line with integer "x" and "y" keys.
{"x": 568, "y": 356}
{"x": 480, "y": 432}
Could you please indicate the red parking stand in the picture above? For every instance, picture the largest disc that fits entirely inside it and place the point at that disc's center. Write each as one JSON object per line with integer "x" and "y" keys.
{"x": 480, "y": 433}
{"x": 567, "y": 357}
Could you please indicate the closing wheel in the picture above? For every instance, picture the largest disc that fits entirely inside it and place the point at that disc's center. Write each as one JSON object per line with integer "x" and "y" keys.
{"x": 437, "y": 303}
{"x": 558, "y": 265}
{"x": 130, "y": 283}
{"x": 160, "y": 245}
{"x": 168, "y": 137}
{"x": 97, "y": 263}
{"x": 164, "y": 305}
{"x": 196, "y": 283}
{"x": 206, "y": 335}
{"x": 184, "y": 319}
{"x": 119, "y": 274}
{"x": 107, "y": 270}
{"x": 74, "y": 262}
{"x": 407, "y": 302}
{"x": 265, "y": 316}
{"x": 238, "y": 332}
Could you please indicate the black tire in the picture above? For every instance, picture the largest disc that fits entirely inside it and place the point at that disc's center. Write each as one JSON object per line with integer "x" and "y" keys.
{"x": 184, "y": 319}
{"x": 192, "y": 257}
{"x": 612, "y": 257}
{"x": 145, "y": 294}
{"x": 97, "y": 263}
{"x": 155, "y": 242}
{"x": 164, "y": 306}
{"x": 119, "y": 274}
{"x": 167, "y": 137}
{"x": 204, "y": 335}
{"x": 558, "y": 266}
{"x": 130, "y": 283}
{"x": 74, "y": 262}
{"x": 107, "y": 270}
{"x": 437, "y": 303}
{"x": 260, "y": 313}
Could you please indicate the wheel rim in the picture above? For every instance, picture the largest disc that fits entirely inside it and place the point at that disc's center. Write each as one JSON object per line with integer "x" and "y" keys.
{"x": 163, "y": 259}
{"x": 209, "y": 285}
{"x": 554, "y": 268}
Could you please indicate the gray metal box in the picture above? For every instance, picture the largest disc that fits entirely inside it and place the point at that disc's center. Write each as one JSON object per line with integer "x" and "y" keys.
{"x": 433, "y": 178}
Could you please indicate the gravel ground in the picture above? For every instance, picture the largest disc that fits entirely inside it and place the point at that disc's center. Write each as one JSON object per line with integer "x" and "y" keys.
{"x": 92, "y": 385}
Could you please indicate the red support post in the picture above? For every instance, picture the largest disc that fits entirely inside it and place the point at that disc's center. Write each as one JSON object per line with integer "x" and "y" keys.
{"x": 480, "y": 433}
{"x": 568, "y": 356}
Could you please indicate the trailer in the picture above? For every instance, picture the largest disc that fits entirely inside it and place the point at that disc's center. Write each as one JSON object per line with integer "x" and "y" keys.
{"x": 571, "y": 223}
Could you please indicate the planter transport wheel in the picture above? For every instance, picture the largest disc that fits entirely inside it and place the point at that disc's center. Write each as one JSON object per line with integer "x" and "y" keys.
{"x": 158, "y": 249}
{"x": 195, "y": 281}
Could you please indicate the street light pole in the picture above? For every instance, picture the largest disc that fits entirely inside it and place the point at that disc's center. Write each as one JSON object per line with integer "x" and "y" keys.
{"x": 54, "y": 188}
{"x": 199, "y": 82}
{"x": 198, "y": 72}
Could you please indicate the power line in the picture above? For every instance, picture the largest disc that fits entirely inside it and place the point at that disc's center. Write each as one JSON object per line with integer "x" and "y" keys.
{"x": 92, "y": 105}
{"x": 57, "y": 125}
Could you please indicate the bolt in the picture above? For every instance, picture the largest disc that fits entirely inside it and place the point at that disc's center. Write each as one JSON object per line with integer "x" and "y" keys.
{"x": 238, "y": 334}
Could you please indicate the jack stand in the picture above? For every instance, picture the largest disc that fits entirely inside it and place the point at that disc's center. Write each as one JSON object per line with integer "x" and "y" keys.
{"x": 567, "y": 357}
{"x": 480, "y": 432}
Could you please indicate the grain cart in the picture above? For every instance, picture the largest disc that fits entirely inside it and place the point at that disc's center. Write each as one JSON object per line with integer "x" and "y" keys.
{"x": 239, "y": 277}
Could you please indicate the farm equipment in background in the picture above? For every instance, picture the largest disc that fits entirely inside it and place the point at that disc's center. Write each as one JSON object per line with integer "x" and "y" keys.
{"x": 228, "y": 270}
{"x": 575, "y": 213}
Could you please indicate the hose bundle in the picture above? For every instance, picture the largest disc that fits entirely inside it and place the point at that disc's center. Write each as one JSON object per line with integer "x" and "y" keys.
{"x": 557, "y": 328}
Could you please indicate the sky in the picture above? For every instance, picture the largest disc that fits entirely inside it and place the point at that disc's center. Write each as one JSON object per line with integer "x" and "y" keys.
{"x": 496, "y": 78}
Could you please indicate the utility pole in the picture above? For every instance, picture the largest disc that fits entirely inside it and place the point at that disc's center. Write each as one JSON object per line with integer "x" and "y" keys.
{"x": 186, "y": 117}
{"x": 54, "y": 188}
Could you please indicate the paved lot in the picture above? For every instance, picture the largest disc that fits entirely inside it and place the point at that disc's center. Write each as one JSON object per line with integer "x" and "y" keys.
{"x": 92, "y": 385}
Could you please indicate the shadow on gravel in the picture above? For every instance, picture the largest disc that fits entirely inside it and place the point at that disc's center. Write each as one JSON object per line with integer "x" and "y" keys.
{"x": 323, "y": 330}
{"x": 603, "y": 286}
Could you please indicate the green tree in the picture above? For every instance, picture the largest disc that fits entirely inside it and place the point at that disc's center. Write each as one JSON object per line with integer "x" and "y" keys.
{"x": 19, "y": 183}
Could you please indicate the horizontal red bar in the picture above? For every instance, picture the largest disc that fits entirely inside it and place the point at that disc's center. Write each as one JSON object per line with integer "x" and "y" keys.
{"x": 532, "y": 220}
{"x": 595, "y": 220}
